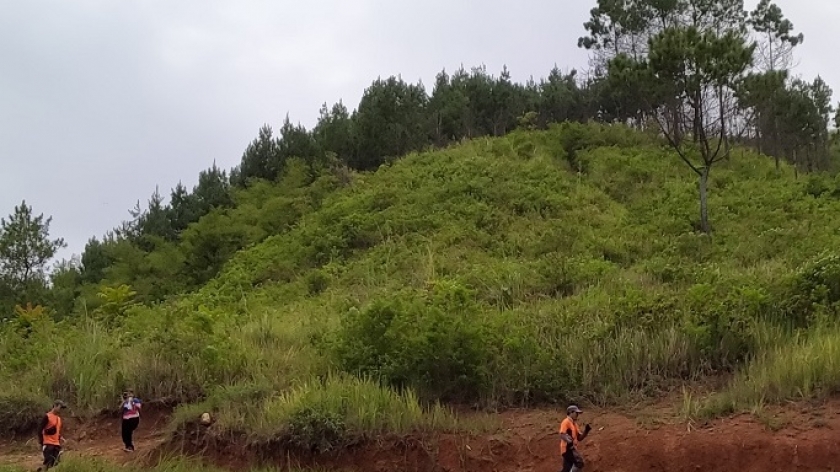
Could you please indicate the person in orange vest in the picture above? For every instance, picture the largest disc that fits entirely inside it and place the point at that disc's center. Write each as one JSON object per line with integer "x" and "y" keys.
{"x": 570, "y": 436}
{"x": 50, "y": 437}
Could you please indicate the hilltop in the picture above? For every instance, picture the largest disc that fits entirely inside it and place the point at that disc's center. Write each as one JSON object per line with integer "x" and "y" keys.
{"x": 533, "y": 269}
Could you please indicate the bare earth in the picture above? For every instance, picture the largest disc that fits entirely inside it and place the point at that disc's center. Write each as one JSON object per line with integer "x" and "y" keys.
{"x": 98, "y": 438}
{"x": 801, "y": 437}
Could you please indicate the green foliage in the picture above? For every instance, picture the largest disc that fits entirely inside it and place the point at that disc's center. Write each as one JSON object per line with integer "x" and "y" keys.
{"x": 66, "y": 280}
{"x": 776, "y": 33}
{"x": 25, "y": 249}
{"x": 316, "y": 431}
{"x": 115, "y": 301}
{"x": 493, "y": 272}
{"x": 799, "y": 367}
{"x": 429, "y": 341}
{"x": 316, "y": 282}
{"x": 696, "y": 66}
{"x": 812, "y": 293}
{"x": 317, "y": 415}
{"x": 389, "y": 122}
{"x": 20, "y": 412}
{"x": 691, "y": 46}
{"x": 28, "y": 317}
{"x": 212, "y": 224}
{"x": 693, "y": 68}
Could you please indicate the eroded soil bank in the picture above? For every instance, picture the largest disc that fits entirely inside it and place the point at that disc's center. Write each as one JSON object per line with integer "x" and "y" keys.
{"x": 801, "y": 437}
{"x": 650, "y": 439}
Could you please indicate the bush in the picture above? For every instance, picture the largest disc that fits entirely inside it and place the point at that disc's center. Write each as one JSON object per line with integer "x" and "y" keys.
{"x": 316, "y": 282}
{"x": 813, "y": 292}
{"x": 20, "y": 413}
{"x": 722, "y": 319}
{"x": 817, "y": 186}
{"x": 316, "y": 430}
{"x": 428, "y": 340}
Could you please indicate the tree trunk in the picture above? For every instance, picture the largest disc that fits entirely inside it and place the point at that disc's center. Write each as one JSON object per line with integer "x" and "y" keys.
{"x": 672, "y": 120}
{"x": 704, "y": 203}
{"x": 439, "y": 129}
{"x": 724, "y": 132}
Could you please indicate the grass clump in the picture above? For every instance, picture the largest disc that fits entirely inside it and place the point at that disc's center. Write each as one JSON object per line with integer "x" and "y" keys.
{"x": 806, "y": 366}
{"x": 318, "y": 415}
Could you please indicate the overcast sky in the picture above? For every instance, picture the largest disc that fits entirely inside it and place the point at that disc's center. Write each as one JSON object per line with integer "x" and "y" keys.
{"x": 102, "y": 100}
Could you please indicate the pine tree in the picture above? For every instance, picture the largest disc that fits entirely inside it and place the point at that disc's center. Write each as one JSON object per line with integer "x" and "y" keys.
{"x": 25, "y": 250}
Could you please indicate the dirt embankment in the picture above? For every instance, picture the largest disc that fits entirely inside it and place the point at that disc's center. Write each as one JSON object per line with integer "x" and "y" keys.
{"x": 801, "y": 438}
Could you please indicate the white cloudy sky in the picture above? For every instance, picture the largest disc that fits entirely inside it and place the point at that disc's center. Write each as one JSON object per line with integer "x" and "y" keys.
{"x": 102, "y": 100}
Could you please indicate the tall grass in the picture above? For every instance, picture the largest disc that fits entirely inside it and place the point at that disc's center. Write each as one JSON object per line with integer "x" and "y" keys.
{"x": 806, "y": 366}
{"x": 321, "y": 413}
{"x": 363, "y": 405}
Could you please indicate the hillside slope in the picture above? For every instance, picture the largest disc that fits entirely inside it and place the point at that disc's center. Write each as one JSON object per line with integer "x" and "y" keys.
{"x": 540, "y": 267}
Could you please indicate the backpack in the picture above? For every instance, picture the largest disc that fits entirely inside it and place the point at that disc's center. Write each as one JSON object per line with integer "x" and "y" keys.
{"x": 52, "y": 429}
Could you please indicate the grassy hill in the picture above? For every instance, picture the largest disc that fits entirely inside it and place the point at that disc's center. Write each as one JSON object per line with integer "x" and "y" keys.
{"x": 543, "y": 266}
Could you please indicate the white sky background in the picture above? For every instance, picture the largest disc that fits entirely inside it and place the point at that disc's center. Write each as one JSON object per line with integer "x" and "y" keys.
{"x": 102, "y": 100}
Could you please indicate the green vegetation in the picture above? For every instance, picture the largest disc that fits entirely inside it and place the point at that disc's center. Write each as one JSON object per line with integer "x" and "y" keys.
{"x": 802, "y": 368}
{"x": 326, "y": 292}
{"x": 320, "y": 415}
{"x": 492, "y": 271}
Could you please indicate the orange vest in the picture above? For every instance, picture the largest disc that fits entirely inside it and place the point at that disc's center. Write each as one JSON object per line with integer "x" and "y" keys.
{"x": 565, "y": 426}
{"x": 53, "y": 421}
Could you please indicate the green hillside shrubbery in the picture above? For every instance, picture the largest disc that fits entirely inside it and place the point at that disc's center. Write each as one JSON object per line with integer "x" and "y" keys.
{"x": 540, "y": 266}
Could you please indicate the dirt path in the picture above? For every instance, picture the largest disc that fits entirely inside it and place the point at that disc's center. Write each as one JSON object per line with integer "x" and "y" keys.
{"x": 648, "y": 439}
{"x": 97, "y": 439}
{"x": 804, "y": 438}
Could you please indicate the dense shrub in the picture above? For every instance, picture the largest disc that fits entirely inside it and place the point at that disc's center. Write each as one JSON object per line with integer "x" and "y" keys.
{"x": 315, "y": 430}
{"x": 431, "y": 341}
{"x": 20, "y": 412}
{"x": 813, "y": 292}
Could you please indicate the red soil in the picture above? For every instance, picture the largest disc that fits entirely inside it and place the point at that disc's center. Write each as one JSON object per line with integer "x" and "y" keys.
{"x": 801, "y": 437}
{"x": 98, "y": 438}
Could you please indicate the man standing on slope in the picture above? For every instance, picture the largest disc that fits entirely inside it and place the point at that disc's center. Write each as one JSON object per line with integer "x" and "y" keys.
{"x": 49, "y": 435}
{"x": 569, "y": 437}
